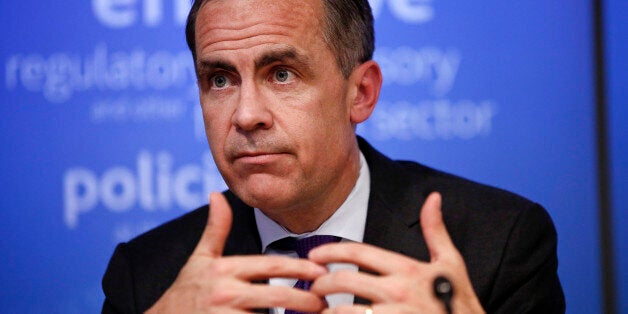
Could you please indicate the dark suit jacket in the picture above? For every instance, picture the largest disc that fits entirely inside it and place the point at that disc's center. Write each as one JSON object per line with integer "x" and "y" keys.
{"x": 508, "y": 243}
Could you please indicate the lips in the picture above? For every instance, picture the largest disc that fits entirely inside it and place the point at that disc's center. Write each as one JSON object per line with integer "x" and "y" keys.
{"x": 257, "y": 158}
{"x": 256, "y": 151}
{"x": 252, "y": 154}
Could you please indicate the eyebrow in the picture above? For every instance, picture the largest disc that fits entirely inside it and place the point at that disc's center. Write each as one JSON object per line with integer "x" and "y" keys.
{"x": 206, "y": 66}
{"x": 282, "y": 54}
{"x": 289, "y": 56}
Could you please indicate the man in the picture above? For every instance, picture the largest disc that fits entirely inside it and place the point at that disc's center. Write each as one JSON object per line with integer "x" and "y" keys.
{"x": 283, "y": 85}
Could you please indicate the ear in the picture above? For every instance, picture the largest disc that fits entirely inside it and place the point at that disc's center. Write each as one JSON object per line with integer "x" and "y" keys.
{"x": 366, "y": 79}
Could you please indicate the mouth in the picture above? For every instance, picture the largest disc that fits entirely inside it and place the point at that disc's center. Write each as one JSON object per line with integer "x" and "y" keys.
{"x": 258, "y": 158}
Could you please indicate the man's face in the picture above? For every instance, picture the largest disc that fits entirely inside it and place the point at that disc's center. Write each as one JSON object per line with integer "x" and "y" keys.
{"x": 275, "y": 105}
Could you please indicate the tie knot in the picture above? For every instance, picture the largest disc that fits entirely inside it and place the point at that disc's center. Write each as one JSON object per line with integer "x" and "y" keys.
{"x": 304, "y": 245}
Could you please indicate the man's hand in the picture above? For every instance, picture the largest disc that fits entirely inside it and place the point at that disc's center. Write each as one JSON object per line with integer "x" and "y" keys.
{"x": 404, "y": 285}
{"x": 211, "y": 283}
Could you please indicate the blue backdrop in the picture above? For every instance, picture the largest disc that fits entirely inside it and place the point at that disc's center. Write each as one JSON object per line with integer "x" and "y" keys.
{"x": 102, "y": 136}
{"x": 617, "y": 68}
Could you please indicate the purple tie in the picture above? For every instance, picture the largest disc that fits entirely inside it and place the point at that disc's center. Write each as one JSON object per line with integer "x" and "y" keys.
{"x": 303, "y": 247}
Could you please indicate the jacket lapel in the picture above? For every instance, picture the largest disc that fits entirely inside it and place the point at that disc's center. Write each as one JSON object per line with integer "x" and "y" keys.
{"x": 394, "y": 205}
{"x": 243, "y": 238}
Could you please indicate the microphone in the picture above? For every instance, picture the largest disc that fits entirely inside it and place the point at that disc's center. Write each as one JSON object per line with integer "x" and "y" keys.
{"x": 444, "y": 291}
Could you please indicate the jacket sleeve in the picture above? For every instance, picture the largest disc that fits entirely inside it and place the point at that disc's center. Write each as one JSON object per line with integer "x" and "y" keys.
{"x": 117, "y": 284}
{"x": 527, "y": 279}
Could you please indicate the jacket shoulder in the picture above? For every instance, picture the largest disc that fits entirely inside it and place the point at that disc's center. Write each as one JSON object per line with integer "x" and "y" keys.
{"x": 141, "y": 270}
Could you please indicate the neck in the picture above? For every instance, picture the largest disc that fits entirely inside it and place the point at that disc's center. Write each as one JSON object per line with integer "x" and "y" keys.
{"x": 310, "y": 214}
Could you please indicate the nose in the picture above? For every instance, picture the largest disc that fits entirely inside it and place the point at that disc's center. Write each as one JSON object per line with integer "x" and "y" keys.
{"x": 252, "y": 112}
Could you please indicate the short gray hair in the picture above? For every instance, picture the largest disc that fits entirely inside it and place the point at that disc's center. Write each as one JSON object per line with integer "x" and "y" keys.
{"x": 347, "y": 30}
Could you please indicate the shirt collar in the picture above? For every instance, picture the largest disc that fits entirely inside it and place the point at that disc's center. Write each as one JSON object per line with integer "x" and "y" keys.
{"x": 347, "y": 222}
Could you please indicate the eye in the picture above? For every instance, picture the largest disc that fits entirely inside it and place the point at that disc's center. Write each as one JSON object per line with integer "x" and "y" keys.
{"x": 219, "y": 81}
{"x": 283, "y": 76}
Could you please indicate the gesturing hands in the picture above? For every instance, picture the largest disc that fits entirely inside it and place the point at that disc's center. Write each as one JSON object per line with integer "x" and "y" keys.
{"x": 211, "y": 283}
{"x": 404, "y": 285}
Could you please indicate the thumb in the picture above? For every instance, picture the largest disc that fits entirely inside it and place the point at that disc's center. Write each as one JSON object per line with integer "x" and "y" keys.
{"x": 214, "y": 236}
{"x": 434, "y": 230}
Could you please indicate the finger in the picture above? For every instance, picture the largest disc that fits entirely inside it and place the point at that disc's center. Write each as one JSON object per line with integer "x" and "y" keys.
{"x": 382, "y": 308}
{"x": 257, "y": 267}
{"x": 251, "y": 296}
{"x": 434, "y": 230}
{"x": 364, "y": 255}
{"x": 348, "y": 309}
{"x": 365, "y": 285}
{"x": 219, "y": 219}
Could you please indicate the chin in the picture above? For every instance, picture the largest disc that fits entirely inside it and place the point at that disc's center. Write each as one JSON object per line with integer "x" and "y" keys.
{"x": 264, "y": 196}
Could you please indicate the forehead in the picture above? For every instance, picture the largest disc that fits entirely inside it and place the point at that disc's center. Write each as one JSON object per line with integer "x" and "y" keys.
{"x": 242, "y": 24}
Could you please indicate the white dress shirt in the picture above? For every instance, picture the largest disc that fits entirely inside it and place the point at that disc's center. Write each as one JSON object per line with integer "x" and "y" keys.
{"x": 347, "y": 222}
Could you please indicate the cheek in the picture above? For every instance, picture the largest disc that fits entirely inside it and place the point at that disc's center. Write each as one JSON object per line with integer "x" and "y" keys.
{"x": 217, "y": 123}
{"x": 216, "y": 113}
